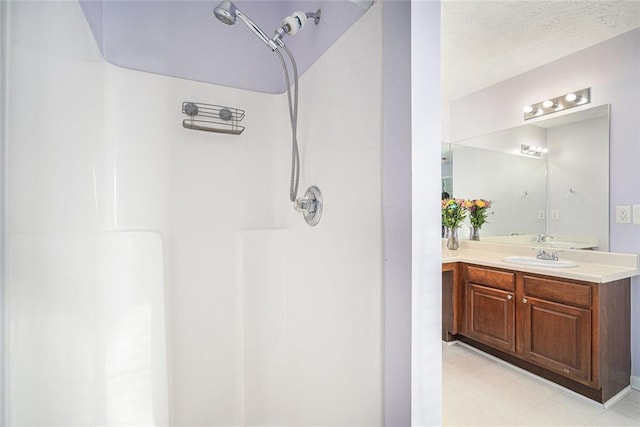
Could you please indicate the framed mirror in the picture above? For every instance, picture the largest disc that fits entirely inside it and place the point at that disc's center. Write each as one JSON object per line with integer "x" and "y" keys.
{"x": 548, "y": 182}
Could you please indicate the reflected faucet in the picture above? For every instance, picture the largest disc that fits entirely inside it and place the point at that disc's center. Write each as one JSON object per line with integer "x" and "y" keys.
{"x": 543, "y": 238}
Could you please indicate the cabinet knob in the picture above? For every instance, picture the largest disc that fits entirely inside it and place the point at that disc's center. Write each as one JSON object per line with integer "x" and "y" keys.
{"x": 509, "y": 296}
{"x": 524, "y": 300}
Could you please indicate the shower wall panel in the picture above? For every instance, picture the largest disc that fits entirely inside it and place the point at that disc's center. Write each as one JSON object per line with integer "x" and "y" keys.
{"x": 87, "y": 338}
{"x": 220, "y": 185}
{"x": 86, "y": 324}
{"x": 112, "y": 204}
{"x": 321, "y": 288}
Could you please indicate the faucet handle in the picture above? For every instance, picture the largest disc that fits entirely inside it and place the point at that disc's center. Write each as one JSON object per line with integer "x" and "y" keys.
{"x": 542, "y": 254}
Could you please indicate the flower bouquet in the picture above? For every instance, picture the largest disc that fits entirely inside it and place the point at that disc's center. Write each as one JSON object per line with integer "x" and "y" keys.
{"x": 477, "y": 209}
{"x": 453, "y": 214}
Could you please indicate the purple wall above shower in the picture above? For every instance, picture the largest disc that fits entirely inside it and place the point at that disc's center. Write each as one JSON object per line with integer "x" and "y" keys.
{"x": 183, "y": 38}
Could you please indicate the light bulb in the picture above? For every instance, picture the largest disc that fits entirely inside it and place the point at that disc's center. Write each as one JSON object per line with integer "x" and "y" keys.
{"x": 528, "y": 109}
{"x": 548, "y": 104}
{"x": 571, "y": 97}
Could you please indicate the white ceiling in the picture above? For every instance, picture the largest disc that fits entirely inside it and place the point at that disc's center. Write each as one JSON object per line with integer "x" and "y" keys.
{"x": 485, "y": 42}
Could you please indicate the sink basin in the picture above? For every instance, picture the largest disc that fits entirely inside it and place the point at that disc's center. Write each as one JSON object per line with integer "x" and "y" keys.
{"x": 535, "y": 262}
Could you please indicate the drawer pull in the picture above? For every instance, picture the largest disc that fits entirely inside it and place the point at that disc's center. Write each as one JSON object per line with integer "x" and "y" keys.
{"x": 509, "y": 297}
{"x": 524, "y": 300}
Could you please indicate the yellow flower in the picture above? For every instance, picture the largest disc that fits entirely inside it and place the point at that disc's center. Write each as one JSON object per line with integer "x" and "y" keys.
{"x": 480, "y": 203}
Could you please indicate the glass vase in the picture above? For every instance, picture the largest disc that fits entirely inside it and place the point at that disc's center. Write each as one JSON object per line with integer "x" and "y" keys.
{"x": 474, "y": 233}
{"x": 452, "y": 240}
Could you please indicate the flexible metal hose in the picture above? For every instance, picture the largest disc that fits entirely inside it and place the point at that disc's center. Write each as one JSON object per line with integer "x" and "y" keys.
{"x": 293, "y": 115}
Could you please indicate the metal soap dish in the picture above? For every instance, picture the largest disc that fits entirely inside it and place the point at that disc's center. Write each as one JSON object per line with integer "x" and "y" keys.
{"x": 212, "y": 118}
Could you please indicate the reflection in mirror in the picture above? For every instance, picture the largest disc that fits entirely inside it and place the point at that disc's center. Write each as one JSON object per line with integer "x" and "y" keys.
{"x": 559, "y": 198}
{"x": 447, "y": 170}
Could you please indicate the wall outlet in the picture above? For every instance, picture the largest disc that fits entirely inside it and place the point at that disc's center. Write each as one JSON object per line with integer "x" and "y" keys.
{"x": 636, "y": 214}
{"x": 541, "y": 214}
{"x": 623, "y": 214}
{"x": 555, "y": 214}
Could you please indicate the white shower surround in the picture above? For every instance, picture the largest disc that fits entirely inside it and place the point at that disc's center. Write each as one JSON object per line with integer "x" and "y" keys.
{"x": 98, "y": 151}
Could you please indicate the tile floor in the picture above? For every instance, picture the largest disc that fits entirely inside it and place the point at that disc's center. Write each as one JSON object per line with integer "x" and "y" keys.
{"x": 481, "y": 391}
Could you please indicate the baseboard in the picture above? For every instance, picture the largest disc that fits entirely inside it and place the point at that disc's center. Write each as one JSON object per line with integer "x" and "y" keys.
{"x": 618, "y": 397}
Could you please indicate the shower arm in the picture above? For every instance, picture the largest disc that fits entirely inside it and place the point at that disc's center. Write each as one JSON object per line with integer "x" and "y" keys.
{"x": 314, "y": 15}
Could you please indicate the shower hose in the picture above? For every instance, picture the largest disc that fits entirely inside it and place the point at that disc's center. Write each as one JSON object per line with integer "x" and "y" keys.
{"x": 293, "y": 115}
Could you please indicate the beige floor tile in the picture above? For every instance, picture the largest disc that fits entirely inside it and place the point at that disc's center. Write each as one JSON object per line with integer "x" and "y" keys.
{"x": 613, "y": 419}
{"x": 580, "y": 404}
{"x": 479, "y": 391}
{"x": 633, "y": 395}
{"x": 629, "y": 408}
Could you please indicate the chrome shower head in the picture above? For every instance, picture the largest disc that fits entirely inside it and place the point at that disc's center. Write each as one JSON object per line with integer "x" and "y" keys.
{"x": 226, "y": 12}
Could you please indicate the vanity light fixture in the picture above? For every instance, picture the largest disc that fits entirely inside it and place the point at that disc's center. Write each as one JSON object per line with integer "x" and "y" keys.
{"x": 552, "y": 105}
{"x": 532, "y": 150}
{"x": 572, "y": 97}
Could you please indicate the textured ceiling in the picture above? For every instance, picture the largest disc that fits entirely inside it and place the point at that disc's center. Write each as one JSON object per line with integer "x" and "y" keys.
{"x": 485, "y": 42}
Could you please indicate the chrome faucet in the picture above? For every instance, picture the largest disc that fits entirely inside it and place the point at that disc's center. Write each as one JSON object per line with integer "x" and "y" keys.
{"x": 542, "y": 254}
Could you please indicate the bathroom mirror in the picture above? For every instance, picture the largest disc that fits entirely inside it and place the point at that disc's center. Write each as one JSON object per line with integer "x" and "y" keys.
{"x": 557, "y": 198}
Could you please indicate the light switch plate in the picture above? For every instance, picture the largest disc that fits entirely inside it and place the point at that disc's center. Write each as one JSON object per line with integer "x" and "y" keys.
{"x": 555, "y": 215}
{"x": 541, "y": 214}
{"x": 636, "y": 214}
{"x": 623, "y": 214}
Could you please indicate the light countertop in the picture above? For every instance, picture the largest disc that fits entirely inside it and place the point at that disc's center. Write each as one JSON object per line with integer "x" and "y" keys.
{"x": 593, "y": 266}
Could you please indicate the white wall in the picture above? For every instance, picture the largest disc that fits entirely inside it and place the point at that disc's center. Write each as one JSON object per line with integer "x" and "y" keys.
{"x": 97, "y": 148}
{"x": 611, "y": 69}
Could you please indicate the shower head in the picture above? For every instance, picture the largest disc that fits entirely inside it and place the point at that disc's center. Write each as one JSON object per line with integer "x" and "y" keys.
{"x": 227, "y": 12}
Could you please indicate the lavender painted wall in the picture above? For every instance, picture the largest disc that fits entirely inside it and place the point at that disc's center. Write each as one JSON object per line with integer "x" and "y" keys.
{"x": 3, "y": 206}
{"x": 183, "y": 38}
{"x": 612, "y": 70}
{"x": 426, "y": 268}
{"x": 396, "y": 207}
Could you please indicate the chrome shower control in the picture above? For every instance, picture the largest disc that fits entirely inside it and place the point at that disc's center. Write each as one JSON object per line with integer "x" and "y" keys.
{"x": 310, "y": 205}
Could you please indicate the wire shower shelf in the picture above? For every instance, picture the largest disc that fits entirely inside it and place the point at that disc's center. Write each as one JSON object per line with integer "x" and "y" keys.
{"x": 212, "y": 118}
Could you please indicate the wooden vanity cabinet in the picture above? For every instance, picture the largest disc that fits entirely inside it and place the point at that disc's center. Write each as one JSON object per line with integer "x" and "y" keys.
{"x": 452, "y": 301}
{"x": 556, "y": 326}
{"x": 574, "y": 333}
{"x": 490, "y": 308}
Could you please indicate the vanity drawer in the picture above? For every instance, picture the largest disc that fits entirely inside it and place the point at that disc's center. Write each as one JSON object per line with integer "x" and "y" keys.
{"x": 493, "y": 278}
{"x": 558, "y": 291}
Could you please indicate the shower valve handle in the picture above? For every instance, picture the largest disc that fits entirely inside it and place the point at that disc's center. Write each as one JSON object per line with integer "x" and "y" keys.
{"x": 310, "y": 206}
{"x": 305, "y": 205}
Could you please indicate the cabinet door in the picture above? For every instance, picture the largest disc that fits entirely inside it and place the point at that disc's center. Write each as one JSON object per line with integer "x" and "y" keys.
{"x": 491, "y": 316}
{"x": 558, "y": 337}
